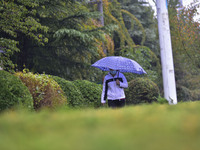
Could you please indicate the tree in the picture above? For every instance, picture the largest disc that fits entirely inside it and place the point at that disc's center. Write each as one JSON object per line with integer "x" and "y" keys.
{"x": 17, "y": 23}
{"x": 145, "y": 15}
{"x": 185, "y": 44}
{"x": 113, "y": 14}
{"x": 75, "y": 39}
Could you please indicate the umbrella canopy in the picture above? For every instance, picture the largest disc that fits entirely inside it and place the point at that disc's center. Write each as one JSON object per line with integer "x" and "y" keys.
{"x": 119, "y": 63}
{"x": 2, "y": 51}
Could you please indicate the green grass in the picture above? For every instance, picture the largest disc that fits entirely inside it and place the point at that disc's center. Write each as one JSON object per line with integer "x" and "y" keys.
{"x": 146, "y": 127}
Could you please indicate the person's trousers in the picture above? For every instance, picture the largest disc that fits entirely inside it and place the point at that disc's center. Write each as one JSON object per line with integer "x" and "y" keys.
{"x": 116, "y": 103}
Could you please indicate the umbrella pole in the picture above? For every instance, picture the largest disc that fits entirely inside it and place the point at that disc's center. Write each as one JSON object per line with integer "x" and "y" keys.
{"x": 117, "y": 74}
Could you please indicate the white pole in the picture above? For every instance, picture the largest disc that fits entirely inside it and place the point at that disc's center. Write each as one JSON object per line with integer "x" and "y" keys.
{"x": 166, "y": 52}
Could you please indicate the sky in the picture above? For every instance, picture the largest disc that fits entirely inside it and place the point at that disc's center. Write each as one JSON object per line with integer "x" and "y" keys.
{"x": 185, "y": 3}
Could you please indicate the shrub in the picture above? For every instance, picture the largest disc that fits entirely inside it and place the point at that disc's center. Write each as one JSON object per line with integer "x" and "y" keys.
{"x": 74, "y": 95}
{"x": 162, "y": 100}
{"x": 13, "y": 92}
{"x": 183, "y": 93}
{"x": 90, "y": 91}
{"x": 186, "y": 94}
{"x": 195, "y": 94}
{"x": 142, "y": 90}
{"x": 45, "y": 91}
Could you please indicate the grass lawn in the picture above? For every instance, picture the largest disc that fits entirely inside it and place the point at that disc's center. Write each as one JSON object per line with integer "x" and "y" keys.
{"x": 145, "y": 127}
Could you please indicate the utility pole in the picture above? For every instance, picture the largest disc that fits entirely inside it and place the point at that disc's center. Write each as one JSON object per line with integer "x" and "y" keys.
{"x": 169, "y": 84}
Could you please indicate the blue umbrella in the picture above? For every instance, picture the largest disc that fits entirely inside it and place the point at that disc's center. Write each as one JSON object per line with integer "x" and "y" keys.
{"x": 2, "y": 51}
{"x": 119, "y": 63}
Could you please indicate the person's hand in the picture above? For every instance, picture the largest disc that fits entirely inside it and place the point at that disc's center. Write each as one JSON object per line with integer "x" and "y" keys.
{"x": 117, "y": 82}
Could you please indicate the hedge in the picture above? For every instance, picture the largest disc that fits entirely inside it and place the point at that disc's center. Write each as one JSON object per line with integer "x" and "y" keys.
{"x": 13, "y": 92}
{"x": 73, "y": 94}
{"x": 90, "y": 91}
{"x": 45, "y": 91}
{"x": 142, "y": 90}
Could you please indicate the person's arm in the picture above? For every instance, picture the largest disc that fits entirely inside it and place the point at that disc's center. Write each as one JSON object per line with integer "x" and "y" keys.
{"x": 103, "y": 92}
{"x": 123, "y": 84}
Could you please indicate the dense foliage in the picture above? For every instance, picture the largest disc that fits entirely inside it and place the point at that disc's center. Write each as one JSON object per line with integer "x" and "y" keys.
{"x": 90, "y": 91}
{"x": 18, "y": 23}
{"x": 13, "y": 92}
{"x": 142, "y": 90}
{"x": 45, "y": 91}
{"x": 144, "y": 14}
{"x": 185, "y": 44}
{"x": 73, "y": 94}
{"x": 75, "y": 39}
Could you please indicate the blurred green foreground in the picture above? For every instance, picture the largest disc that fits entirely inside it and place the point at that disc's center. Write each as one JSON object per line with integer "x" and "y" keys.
{"x": 145, "y": 127}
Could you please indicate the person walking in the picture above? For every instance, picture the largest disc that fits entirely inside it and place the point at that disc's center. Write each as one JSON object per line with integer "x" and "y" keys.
{"x": 113, "y": 89}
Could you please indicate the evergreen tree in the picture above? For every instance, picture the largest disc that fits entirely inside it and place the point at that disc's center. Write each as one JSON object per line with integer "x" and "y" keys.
{"x": 75, "y": 39}
{"x": 145, "y": 14}
{"x": 18, "y": 22}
